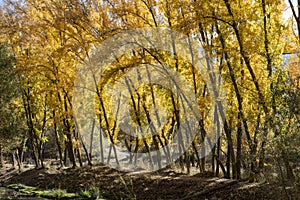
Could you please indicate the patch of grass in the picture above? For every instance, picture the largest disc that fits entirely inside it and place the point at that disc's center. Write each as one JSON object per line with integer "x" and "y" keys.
{"x": 57, "y": 194}
{"x": 91, "y": 193}
{"x": 50, "y": 194}
{"x": 85, "y": 194}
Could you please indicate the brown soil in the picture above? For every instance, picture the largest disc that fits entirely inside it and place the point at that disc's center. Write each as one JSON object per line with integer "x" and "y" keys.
{"x": 165, "y": 184}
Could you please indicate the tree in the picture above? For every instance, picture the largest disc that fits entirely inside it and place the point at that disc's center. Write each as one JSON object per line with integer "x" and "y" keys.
{"x": 12, "y": 124}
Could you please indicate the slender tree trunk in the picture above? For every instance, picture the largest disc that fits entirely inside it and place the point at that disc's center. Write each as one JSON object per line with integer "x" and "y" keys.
{"x": 66, "y": 154}
{"x": 18, "y": 158}
{"x": 202, "y": 160}
{"x": 227, "y": 175}
{"x": 58, "y": 143}
{"x": 101, "y": 142}
{"x": 239, "y": 152}
{"x": 1, "y": 157}
{"x": 41, "y": 143}
{"x": 70, "y": 148}
{"x": 219, "y": 163}
{"x": 230, "y": 152}
{"x": 87, "y": 154}
{"x": 23, "y": 149}
{"x": 110, "y": 133}
{"x": 68, "y": 133}
{"x": 262, "y": 156}
{"x": 213, "y": 164}
{"x": 79, "y": 156}
{"x": 218, "y": 157}
{"x": 20, "y": 153}
{"x": 91, "y": 141}
{"x": 289, "y": 171}
{"x": 35, "y": 154}
{"x": 40, "y": 153}
{"x": 196, "y": 153}
{"x": 14, "y": 162}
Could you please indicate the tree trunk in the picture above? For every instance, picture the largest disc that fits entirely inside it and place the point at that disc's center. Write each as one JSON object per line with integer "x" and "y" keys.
{"x": 70, "y": 148}
{"x": 289, "y": 171}
{"x": 66, "y": 161}
{"x": 197, "y": 155}
{"x": 18, "y": 158}
{"x": 213, "y": 165}
{"x": 1, "y": 157}
{"x": 239, "y": 152}
{"x": 218, "y": 157}
{"x": 79, "y": 156}
{"x": 202, "y": 160}
{"x": 227, "y": 175}
{"x": 40, "y": 153}
{"x": 14, "y": 161}
{"x": 58, "y": 143}
{"x": 23, "y": 149}
{"x": 35, "y": 154}
{"x": 87, "y": 154}
{"x": 91, "y": 142}
{"x": 101, "y": 144}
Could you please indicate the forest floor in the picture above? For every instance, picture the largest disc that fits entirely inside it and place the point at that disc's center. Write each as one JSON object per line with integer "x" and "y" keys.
{"x": 164, "y": 184}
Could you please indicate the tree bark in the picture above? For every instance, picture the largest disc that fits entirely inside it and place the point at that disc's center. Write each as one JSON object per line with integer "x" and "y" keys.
{"x": 89, "y": 156}
{"x": 1, "y": 157}
{"x": 239, "y": 152}
{"x": 60, "y": 152}
{"x": 70, "y": 148}
{"x": 14, "y": 161}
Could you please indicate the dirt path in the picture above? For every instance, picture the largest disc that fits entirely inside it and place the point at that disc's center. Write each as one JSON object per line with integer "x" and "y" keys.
{"x": 144, "y": 185}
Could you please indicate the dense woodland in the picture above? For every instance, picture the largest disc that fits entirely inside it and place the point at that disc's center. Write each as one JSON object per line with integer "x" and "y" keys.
{"x": 255, "y": 49}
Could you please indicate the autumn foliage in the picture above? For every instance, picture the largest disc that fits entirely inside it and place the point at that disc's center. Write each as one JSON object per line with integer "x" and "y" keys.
{"x": 45, "y": 43}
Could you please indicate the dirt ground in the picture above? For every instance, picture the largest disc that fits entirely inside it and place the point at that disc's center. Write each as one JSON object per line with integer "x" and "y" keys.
{"x": 165, "y": 184}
